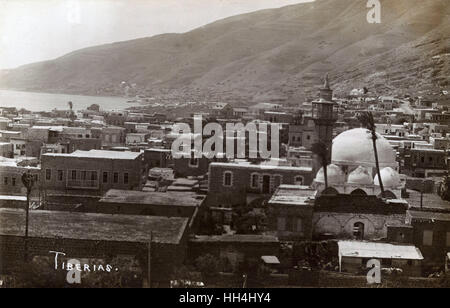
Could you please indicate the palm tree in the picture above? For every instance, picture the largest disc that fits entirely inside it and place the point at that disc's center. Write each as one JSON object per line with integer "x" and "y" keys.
{"x": 321, "y": 150}
{"x": 72, "y": 115}
{"x": 367, "y": 121}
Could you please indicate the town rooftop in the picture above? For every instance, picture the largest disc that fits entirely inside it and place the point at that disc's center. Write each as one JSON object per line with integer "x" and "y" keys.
{"x": 234, "y": 238}
{"x": 152, "y": 198}
{"x": 248, "y": 165}
{"x": 292, "y": 195}
{"x": 429, "y": 216}
{"x": 360, "y": 249}
{"x": 99, "y": 154}
{"x": 90, "y": 226}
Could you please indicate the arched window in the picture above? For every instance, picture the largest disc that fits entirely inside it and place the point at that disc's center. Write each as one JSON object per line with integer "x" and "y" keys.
{"x": 193, "y": 162}
{"x": 228, "y": 179}
{"x": 254, "y": 181}
{"x": 388, "y": 195}
{"x": 330, "y": 191}
{"x": 358, "y": 230}
{"x": 358, "y": 192}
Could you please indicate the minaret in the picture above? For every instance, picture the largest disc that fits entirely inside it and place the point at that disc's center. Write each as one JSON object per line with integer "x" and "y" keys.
{"x": 324, "y": 117}
{"x": 326, "y": 93}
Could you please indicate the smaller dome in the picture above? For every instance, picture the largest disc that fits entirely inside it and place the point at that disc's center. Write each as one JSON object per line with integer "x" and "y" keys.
{"x": 360, "y": 176}
{"x": 335, "y": 175}
{"x": 389, "y": 176}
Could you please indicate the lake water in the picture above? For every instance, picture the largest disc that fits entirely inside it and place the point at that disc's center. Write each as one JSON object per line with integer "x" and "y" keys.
{"x": 46, "y": 101}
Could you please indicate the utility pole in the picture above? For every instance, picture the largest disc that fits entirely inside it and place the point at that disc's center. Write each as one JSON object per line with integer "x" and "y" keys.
{"x": 28, "y": 181}
{"x": 149, "y": 260}
{"x": 421, "y": 195}
{"x": 244, "y": 283}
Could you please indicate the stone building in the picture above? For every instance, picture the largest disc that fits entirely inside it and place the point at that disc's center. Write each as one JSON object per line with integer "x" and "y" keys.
{"x": 222, "y": 111}
{"x": 302, "y": 132}
{"x": 351, "y": 206}
{"x": 11, "y": 172}
{"x": 6, "y": 149}
{"x": 112, "y": 136}
{"x": 290, "y": 212}
{"x": 354, "y": 255}
{"x": 297, "y": 213}
{"x": 158, "y": 158}
{"x": 431, "y": 233}
{"x": 76, "y": 235}
{"x": 173, "y": 204}
{"x": 234, "y": 250}
{"x": 425, "y": 162}
{"x": 353, "y": 169}
{"x": 356, "y": 217}
{"x": 240, "y": 183}
{"x": 92, "y": 172}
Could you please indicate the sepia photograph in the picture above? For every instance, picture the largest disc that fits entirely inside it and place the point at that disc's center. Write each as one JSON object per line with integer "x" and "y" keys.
{"x": 228, "y": 151}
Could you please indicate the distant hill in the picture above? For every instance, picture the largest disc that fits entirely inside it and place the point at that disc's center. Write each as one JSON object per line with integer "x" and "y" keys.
{"x": 276, "y": 53}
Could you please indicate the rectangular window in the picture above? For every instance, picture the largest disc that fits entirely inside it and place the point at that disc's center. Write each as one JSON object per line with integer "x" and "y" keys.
{"x": 255, "y": 181}
{"x": 84, "y": 175}
{"x": 193, "y": 162}
{"x": 125, "y": 178}
{"x": 228, "y": 179}
{"x": 5, "y": 181}
{"x": 48, "y": 174}
{"x": 290, "y": 224}
{"x": 105, "y": 177}
{"x": 94, "y": 176}
{"x": 60, "y": 175}
{"x": 281, "y": 224}
{"x": 116, "y": 177}
{"x": 277, "y": 181}
{"x": 299, "y": 225}
{"x": 298, "y": 180}
{"x": 74, "y": 174}
{"x": 13, "y": 181}
{"x": 427, "y": 238}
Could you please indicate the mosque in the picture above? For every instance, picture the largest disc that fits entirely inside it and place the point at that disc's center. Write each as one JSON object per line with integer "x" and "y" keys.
{"x": 353, "y": 169}
{"x": 351, "y": 207}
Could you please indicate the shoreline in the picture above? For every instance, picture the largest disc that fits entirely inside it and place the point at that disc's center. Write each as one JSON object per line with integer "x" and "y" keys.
{"x": 45, "y": 101}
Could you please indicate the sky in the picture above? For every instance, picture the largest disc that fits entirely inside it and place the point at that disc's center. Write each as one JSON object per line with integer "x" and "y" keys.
{"x": 37, "y": 30}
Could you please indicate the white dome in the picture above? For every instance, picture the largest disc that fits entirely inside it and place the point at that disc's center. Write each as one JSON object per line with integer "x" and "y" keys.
{"x": 335, "y": 175}
{"x": 354, "y": 147}
{"x": 360, "y": 176}
{"x": 390, "y": 178}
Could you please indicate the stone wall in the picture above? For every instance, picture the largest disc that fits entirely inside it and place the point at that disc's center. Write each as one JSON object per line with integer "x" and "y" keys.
{"x": 165, "y": 257}
{"x": 342, "y": 224}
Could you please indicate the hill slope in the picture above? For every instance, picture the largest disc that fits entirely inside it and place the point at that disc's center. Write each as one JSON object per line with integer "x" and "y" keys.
{"x": 272, "y": 53}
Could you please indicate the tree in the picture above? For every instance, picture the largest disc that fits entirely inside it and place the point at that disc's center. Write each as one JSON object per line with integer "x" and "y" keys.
{"x": 37, "y": 272}
{"x": 444, "y": 189}
{"x": 208, "y": 265}
{"x": 321, "y": 149}
{"x": 72, "y": 114}
{"x": 366, "y": 119}
{"x": 94, "y": 107}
